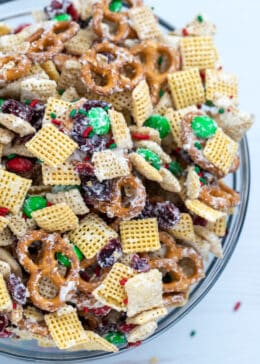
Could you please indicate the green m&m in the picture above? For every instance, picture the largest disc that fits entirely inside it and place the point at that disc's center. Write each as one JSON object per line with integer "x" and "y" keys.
{"x": 203, "y": 126}
{"x": 115, "y": 6}
{"x": 175, "y": 168}
{"x": 32, "y": 204}
{"x": 62, "y": 17}
{"x": 115, "y": 337}
{"x": 159, "y": 123}
{"x": 99, "y": 120}
{"x": 150, "y": 157}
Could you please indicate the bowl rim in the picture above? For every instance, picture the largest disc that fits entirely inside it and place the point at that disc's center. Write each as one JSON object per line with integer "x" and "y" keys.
{"x": 213, "y": 272}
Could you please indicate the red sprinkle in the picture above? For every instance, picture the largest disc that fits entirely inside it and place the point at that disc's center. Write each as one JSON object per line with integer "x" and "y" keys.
{"x": 202, "y": 75}
{"x": 125, "y": 301}
{"x": 123, "y": 281}
{"x": 86, "y": 310}
{"x": 87, "y": 131}
{"x": 101, "y": 311}
{"x": 111, "y": 141}
{"x": 141, "y": 136}
{"x": 56, "y": 122}
{"x": 34, "y": 103}
{"x": 237, "y": 306}
{"x": 21, "y": 27}
{"x": 49, "y": 203}
{"x": 14, "y": 305}
{"x": 177, "y": 150}
{"x": 185, "y": 32}
{"x": 4, "y": 211}
{"x": 167, "y": 166}
{"x": 200, "y": 174}
{"x": 25, "y": 217}
{"x": 97, "y": 271}
{"x": 86, "y": 159}
{"x": 134, "y": 345}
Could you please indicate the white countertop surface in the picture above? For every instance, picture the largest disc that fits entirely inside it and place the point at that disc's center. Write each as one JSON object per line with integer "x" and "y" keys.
{"x": 222, "y": 336}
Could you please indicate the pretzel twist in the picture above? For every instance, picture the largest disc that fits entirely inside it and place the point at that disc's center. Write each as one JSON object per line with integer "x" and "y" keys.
{"x": 14, "y": 67}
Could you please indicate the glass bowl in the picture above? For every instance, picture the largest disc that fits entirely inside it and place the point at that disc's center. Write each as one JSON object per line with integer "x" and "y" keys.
{"x": 17, "y": 12}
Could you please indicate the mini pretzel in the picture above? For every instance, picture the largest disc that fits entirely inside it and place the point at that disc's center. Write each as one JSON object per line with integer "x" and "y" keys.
{"x": 102, "y": 13}
{"x": 20, "y": 66}
{"x": 44, "y": 46}
{"x": 89, "y": 286}
{"x": 219, "y": 196}
{"x": 47, "y": 266}
{"x": 171, "y": 263}
{"x": 128, "y": 207}
{"x": 150, "y": 52}
{"x": 65, "y": 30}
{"x": 111, "y": 73}
{"x": 188, "y": 139}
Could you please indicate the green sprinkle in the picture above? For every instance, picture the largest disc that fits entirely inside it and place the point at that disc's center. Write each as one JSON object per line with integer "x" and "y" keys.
{"x": 1, "y": 102}
{"x": 203, "y": 180}
{"x": 75, "y": 100}
{"x": 61, "y": 92}
{"x": 150, "y": 157}
{"x": 198, "y": 145}
{"x": 221, "y": 111}
{"x": 192, "y": 333}
{"x": 116, "y": 6}
{"x": 159, "y": 123}
{"x": 27, "y": 102}
{"x": 78, "y": 252}
{"x": 62, "y": 259}
{"x": 160, "y": 61}
{"x": 40, "y": 161}
{"x": 91, "y": 134}
{"x": 53, "y": 115}
{"x": 107, "y": 107}
{"x": 197, "y": 169}
{"x": 73, "y": 113}
{"x": 200, "y": 18}
{"x": 112, "y": 146}
{"x": 83, "y": 112}
{"x": 62, "y": 17}
{"x": 11, "y": 156}
{"x": 175, "y": 168}
{"x": 161, "y": 93}
{"x": 116, "y": 338}
{"x": 209, "y": 103}
{"x": 203, "y": 126}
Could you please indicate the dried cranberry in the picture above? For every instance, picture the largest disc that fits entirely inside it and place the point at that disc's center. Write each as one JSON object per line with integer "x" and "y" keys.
{"x": 126, "y": 328}
{"x": 101, "y": 311}
{"x": 89, "y": 104}
{"x": 5, "y": 334}
{"x": 139, "y": 264}
{"x": 134, "y": 345}
{"x": 71, "y": 10}
{"x": 197, "y": 220}
{"x": 19, "y": 109}
{"x": 94, "y": 190}
{"x": 80, "y": 123}
{"x": 19, "y": 165}
{"x": 56, "y": 5}
{"x": 95, "y": 144}
{"x": 84, "y": 275}
{"x": 85, "y": 169}
{"x": 108, "y": 255}
{"x": 3, "y": 322}
{"x": 167, "y": 213}
{"x": 17, "y": 289}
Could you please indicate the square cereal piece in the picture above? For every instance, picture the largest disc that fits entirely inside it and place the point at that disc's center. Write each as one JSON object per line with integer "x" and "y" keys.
{"x": 198, "y": 52}
{"x": 51, "y": 70}
{"x": 144, "y": 22}
{"x": 19, "y": 225}
{"x": 13, "y": 190}
{"x": 163, "y": 105}
{"x": 92, "y": 235}
{"x": 219, "y": 227}
{"x": 56, "y": 218}
{"x": 147, "y": 316}
{"x": 65, "y": 327}
{"x": 139, "y": 236}
{"x": 81, "y": 42}
{"x": 120, "y": 130}
{"x": 6, "y": 136}
{"x": 199, "y": 208}
{"x": 184, "y": 229}
{"x": 3, "y": 224}
{"x": 51, "y": 146}
{"x": 145, "y": 168}
{"x": 186, "y": 88}
{"x": 64, "y": 175}
{"x": 192, "y": 184}
{"x": 110, "y": 164}
{"x": 94, "y": 342}
{"x": 213, "y": 240}
{"x": 170, "y": 182}
{"x": 120, "y": 100}
{"x": 221, "y": 150}
{"x": 38, "y": 89}
{"x": 142, "y": 106}
{"x": 144, "y": 292}
{"x": 16, "y": 124}
{"x": 56, "y": 109}
{"x": 142, "y": 332}
{"x": 5, "y": 300}
{"x": 72, "y": 198}
{"x": 220, "y": 83}
{"x": 175, "y": 117}
{"x": 111, "y": 292}
{"x": 5, "y": 269}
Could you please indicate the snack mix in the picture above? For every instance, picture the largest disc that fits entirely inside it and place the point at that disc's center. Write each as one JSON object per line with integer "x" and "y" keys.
{"x": 115, "y": 139}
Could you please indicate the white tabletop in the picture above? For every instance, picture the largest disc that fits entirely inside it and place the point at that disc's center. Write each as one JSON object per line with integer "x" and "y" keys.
{"x": 222, "y": 336}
